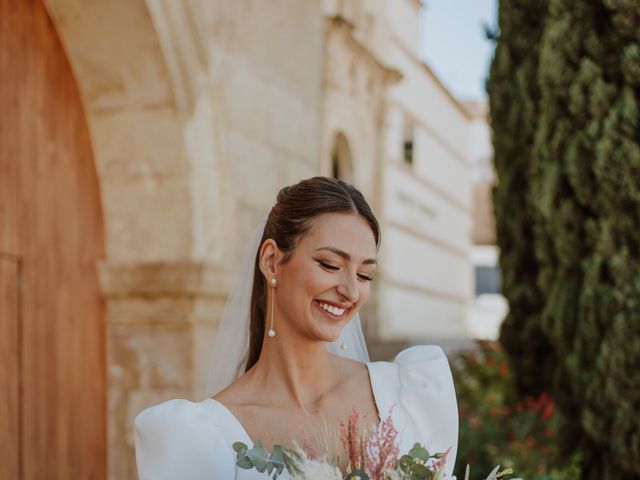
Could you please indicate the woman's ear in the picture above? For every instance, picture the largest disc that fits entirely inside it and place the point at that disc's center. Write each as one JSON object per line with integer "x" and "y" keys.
{"x": 269, "y": 258}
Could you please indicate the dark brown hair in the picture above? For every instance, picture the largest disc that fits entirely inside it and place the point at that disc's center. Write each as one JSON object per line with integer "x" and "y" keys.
{"x": 289, "y": 220}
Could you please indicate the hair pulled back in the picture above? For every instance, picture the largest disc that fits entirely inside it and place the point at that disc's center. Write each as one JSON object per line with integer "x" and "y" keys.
{"x": 288, "y": 221}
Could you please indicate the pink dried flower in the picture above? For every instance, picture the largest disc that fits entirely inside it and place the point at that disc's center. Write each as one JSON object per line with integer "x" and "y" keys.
{"x": 375, "y": 452}
{"x": 382, "y": 449}
{"x": 350, "y": 437}
{"x": 440, "y": 463}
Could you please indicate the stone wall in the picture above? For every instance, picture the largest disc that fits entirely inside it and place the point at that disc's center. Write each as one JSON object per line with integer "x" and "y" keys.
{"x": 266, "y": 64}
{"x": 162, "y": 319}
{"x": 199, "y": 111}
{"x": 197, "y": 119}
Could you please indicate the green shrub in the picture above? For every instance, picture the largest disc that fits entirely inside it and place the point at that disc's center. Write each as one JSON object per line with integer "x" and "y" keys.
{"x": 498, "y": 428}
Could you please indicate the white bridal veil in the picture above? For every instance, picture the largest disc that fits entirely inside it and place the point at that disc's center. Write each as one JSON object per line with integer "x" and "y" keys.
{"x": 228, "y": 358}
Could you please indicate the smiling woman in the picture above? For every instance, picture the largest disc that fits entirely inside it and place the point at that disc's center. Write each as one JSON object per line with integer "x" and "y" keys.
{"x": 277, "y": 374}
{"x": 298, "y": 224}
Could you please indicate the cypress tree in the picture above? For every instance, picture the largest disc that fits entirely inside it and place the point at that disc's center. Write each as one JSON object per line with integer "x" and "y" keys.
{"x": 565, "y": 105}
{"x": 586, "y": 194}
{"x": 514, "y": 97}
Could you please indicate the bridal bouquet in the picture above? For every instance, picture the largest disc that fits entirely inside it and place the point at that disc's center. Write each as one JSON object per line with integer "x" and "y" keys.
{"x": 373, "y": 455}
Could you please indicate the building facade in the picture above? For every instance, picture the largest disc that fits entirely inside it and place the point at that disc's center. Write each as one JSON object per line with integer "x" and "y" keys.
{"x": 489, "y": 307}
{"x": 197, "y": 113}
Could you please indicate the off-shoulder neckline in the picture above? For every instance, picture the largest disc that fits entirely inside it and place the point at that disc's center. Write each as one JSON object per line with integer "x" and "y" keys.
{"x": 247, "y": 437}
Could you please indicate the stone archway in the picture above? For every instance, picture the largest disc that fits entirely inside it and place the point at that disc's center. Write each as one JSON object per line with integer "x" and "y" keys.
{"x": 341, "y": 158}
{"x": 141, "y": 68}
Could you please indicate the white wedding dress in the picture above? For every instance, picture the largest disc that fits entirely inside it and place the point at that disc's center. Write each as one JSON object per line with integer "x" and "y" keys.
{"x": 185, "y": 440}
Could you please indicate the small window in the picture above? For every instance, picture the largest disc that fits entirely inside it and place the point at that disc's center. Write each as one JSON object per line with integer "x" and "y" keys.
{"x": 408, "y": 142}
{"x": 488, "y": 280}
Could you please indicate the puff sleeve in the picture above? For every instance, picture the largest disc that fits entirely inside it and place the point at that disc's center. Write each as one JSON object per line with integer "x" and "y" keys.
{"x": 179, "y": 439}
{"x": 428, "y": 400}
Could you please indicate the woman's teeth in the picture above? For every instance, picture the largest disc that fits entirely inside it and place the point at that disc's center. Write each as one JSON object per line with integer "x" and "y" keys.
{"x": 331, "y": 309}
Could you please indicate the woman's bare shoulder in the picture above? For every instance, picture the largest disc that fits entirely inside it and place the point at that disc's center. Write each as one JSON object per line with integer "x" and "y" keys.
{"x": 236, "y": 393}
{"x": 354, "y": 378}
{"x": 351, "y": 369}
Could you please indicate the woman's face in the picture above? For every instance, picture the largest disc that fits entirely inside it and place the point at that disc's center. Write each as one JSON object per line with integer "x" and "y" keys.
{"x": 327, "y": 277}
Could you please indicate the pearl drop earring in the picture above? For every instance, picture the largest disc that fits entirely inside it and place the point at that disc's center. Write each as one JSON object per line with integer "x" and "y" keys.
{"x": 274, "y": 283}
{"x": 343, "y": 346}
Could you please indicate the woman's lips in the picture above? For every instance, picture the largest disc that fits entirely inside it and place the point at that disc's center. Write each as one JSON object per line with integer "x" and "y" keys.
{"x": 330, "y": 315}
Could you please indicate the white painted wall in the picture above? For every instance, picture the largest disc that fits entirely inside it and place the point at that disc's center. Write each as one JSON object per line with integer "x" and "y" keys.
{"x": 427, "y": 277}
{"x": 266, "y": 67}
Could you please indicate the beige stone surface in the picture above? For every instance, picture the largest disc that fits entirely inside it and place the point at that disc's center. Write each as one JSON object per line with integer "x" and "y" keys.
{"x": 201, "y": 110}
{"x": 114, "y": 52}
{"x": 162, "y": 319}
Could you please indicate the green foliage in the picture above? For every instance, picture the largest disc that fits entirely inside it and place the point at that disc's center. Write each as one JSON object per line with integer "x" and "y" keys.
{"x": 498, "y": 427}
{"x": 581, "y": 202}
{"x": 514, "y": 97}
{"x": 412, "y": 466}
{"x": 591, "y": 262}
{"x": 272, "y": 463}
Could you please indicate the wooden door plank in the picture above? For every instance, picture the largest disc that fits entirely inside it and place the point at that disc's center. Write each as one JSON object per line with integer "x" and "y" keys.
{"x": 10, "y": 71}
{"x": 9, "y": 370}
{"x": 59, "y": 236}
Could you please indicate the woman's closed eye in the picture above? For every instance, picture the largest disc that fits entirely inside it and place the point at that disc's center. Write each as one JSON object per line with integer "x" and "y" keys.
{"x": 327, "y": 265}
{"x": 333, "y": 268}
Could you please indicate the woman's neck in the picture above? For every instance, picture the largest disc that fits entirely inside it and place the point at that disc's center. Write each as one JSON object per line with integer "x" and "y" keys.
{"x": 297, "y": 371}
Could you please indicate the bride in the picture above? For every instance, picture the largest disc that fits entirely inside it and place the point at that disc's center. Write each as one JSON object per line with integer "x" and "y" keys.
{"x": 289, "y": 362}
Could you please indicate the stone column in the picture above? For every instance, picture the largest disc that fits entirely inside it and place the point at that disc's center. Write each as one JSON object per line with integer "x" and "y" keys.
{"x": 161, "y": 322}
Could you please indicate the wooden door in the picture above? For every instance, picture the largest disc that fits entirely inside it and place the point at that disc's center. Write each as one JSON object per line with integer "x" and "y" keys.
{"x": 9, "y": 368}
{"x": 52, "y": 323}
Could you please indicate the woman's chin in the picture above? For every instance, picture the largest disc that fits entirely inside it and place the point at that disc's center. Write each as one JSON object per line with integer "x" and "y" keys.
{"x": 329, "y": 333}
{"x": 328, "y": 328}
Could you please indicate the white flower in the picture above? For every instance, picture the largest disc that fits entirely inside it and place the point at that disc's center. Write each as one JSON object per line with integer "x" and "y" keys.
{"x": 393, "y": 475}
{"x": 314, "y": 470}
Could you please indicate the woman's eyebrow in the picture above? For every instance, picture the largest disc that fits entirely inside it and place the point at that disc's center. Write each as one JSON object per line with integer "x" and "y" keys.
{"x": 346, "y": 256}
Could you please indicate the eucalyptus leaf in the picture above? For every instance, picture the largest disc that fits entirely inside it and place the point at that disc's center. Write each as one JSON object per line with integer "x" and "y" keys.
{"x": 276, "y": 461}
{"x": 244, "y": 462}
{"x": 420, "y": 471}
{"x": 239, "y": 447}
{"x": 277, "y": 457}
{"x": 259, "y": 457}
{"x": 405, "y": 462}
{"x": 418, "y": 452}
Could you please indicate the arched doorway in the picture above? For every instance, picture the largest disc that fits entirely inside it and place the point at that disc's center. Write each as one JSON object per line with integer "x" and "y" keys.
{"x": 52, "y": 326}
{"x": 341, "y": 159}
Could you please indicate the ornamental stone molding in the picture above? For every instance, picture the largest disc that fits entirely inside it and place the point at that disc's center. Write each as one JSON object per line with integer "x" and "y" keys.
{"x": 162, "y": 318}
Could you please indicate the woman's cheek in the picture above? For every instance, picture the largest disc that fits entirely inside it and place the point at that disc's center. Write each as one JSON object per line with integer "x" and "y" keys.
{"x": 364, "y": 294}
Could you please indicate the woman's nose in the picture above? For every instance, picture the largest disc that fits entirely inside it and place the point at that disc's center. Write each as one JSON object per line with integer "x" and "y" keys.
{"x": 348, "y": 288}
